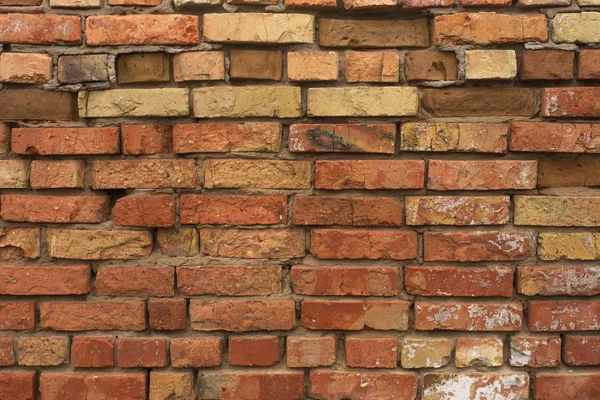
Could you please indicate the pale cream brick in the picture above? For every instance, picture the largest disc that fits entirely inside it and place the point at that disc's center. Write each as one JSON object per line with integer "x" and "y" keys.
{"x": 199, "y": 66}
{"x": 576, "y": 27}
{"x": 363, "y": 101}
{"x": 313, "y": 66}
{"x": 168, "y": 102}
{"x": 491, "y": 64}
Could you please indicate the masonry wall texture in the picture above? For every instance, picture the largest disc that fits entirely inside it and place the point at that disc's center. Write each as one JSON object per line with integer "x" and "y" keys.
{"x": 299, "y": 199}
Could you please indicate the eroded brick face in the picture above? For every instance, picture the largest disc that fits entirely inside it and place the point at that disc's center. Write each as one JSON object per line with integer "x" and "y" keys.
{"x": 299, "y": 199}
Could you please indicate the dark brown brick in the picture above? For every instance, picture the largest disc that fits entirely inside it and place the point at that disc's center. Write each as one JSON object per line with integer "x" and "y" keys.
{"x": 88, "y": 68}
{"x": 431, "y": 66}
{"x": 38, "y": 105}
{"x": 547, "y": 65}
{"x": 479, "y": 102}
{"x": 143, "y": 67}
{"x": 373, "y": 33}
{"x": 255, "y": 64}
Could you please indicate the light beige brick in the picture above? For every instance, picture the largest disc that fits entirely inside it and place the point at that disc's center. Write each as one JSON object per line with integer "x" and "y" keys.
{"x": 313, "y": 66}
{"x": 363, "y": 101}
{"x": 491, "y": 64}
{"x": 576, "y": 28}
{"x": 199, "y": 66}
{"x": 14, "y": 174}
{"x": 25, "y": 68}
{"x": 168, "y": 102}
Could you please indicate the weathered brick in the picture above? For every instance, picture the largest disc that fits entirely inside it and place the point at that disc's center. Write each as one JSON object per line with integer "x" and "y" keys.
{"x": 570, "y": 102}
{"x": 310, "y": 3}
{"x": 285, "y": 385}
{"x": 92, "y": 352}
{"x": 569, "y": 173}
{"x": 227, "y": 136}
{"x": 141, "y": 352}
{"x": 569, "y": 246}
{"x": 339, "y": 244}
{"x": 589, "y": 64}
{"x": 83, "y": 68}
{"x": 255, "y": 64}
{"x": 134, "y": 281}
{"x": 312, "y": 66}
{"x": 199, "y": 66}
{"x": 75, "y": 3}
{"x": 64, "y": 174}
{"x": 369, "y": 4}
{"x": 579, "y": 27}
{"x": 472, "y": 386}
{"x": 134, "y": 2}
{"x": 19, "y": 243}
{"x": 480, "y": 102}
{"x": 174, "y": 385}
{"x": 229, "y": 280}
{"x": 556, "y": 211}
{"x": 196, "y": 352}
{"x": 534, "y": 351}
{"x": 362, "y": 385}
{"x": 547, "y": 65}
{"x": 371, "y": 352}
{"x": 144, "y": 174}
{"x": 554, "y": 137}
{"x": 14, "y": 174}
{"x": 4, "y": 139}
{"x": 373, "y": 33}
{"x": 40, "y": 29}
{"x": 336, "y": 315}
{"x": 344, "y": 281}
{"x": 150, "y": 211}
{"x": 98, "y": 245}
{"x": 259, "y": 27}
{"x": 491, "y": 64}
{"x": 164, "y": 102}
{"x": 247, "y": 101}
{"x": 146, "y": 139}
{"x": 20, "y": 2}
{"x": 44, "y": 280}
{"x": 64, "y": 141}
{"x": 488, "y": 3}
{"x": 54, "y": 209}
{"x": 431, "y": 66}
{"x": 7, "y": 353}
{"x": 483, "y": 317}
{"x": 369, "y": 174}
{"x": 477, "y": 246}
{"x": 452, "y": 137}
{"x": 581, "y": 350}
{"x": 233, "y": 210}
{"x": 253, "y": 243}
{"x": 372, "y": 66}
{"x": 363, "y": 101}
{"x": 143, "y": 29}
{"x": 254, "y": 351}
{"x": 17, "y": 385}
{"x": 457, "y": 210}
{"x": 167, "y": 314}
{"x": 541, "y": 3}
{"x": 574, "y": 386}
{"x": 37, "y": 105}
{"x": 259, "y": 174}
{"x": 93, "y": 315}
{"x": 387, "y": 314}
{"x": 487, "y": 28}
{"x": 308, "y": 352}
{"x": 43, "y": 351}
{"x": 479, "y": 352}
{"x": 17, "y": 316}
{"x": 354, "y": 211}
{"x": 481, "y": 175}
{"x": 342, "y": 138}
{"x": 242, "y": 315}
{"x": 25, "y": 68}
{"x": 143, "y": 67}
{"x": 425, "y": 352}
{"x": 181, "y": 241}
{"x": 117, "y": 386}
{"x": 464, "y": 282}
{"x": 563, "y": 316}
{"x": 426, "y": 3}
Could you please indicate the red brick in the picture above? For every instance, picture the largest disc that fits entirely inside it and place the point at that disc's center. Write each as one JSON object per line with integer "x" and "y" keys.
{"x": 308, "y": 352}
{"x": 574, "y": 386}
{"x": 92, "y": 386}
{"x": 146, "y": 139}
{"x": 570, "y": 102}
{"x": 344, "y": 281}
{"x": 547, "y": 65}
{"x": 141, "y": 352}
{"x": 474, "y": 386}
{"x": 464, "y": 282}
{"x": 7, "y": 353}
{"x": 229, "y": 280}
{"x": 17, "y": 316}
{"x": 481, "y": 175}
{"x": 40, "y": 29}
{"x": 340, "y": 244}
{"x": 337, "y": 315}
{"x": 360, "y": 385}
{"x": 254, "y": 351}
{"x": 217, "y": 137}
{"x": 17, "y": 385}
{"x": 582, "y": 350}
{"x": 387, "y": 314}
{"x": 111, "y": 30}
{"x": 253, "y": 243}
{"x": 487, "y": 28}
{"x": 167, "y": 314}
{"x": 144, "y": 174}
{"x": 44, "y": 280}
{"x": 64, "y": 174}
{"x": 457, "y": 210}
{"x": 477, "y": 246}
{"x": 36, "y": 104}
{"x": 232, "y": 210}
{"x": 18, "y": 243}
{"x": 93, "y": 315}
{"x": 254, "y": 385}
{"x": 564, "y": 316}
{"x": 355, "y": 211}
{"x": 196, "y": 352}
{"x": 557, "y": 280}
{"x": 54, "y": 209}
{"x": 134, "y": 281}
{"x": 534, "y": 351}
{"x": 589, "y": 64}
{"x": 486, "y": 317}
{"x": 63, "y": 141}
{"x": 150, "y": 211}
{"x": 371, "y": 352}
{"x": 554, "y": 137}
{"x": 480, "y": 102}
{"x": 342, "y": 138}
{"x": 370, "y": 174}
{"x": 92, "y": 352}
{"x": 242, "y": 315}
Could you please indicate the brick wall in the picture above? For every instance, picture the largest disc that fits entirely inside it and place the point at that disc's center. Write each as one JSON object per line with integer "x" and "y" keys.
{"x": 307, "y": 199}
